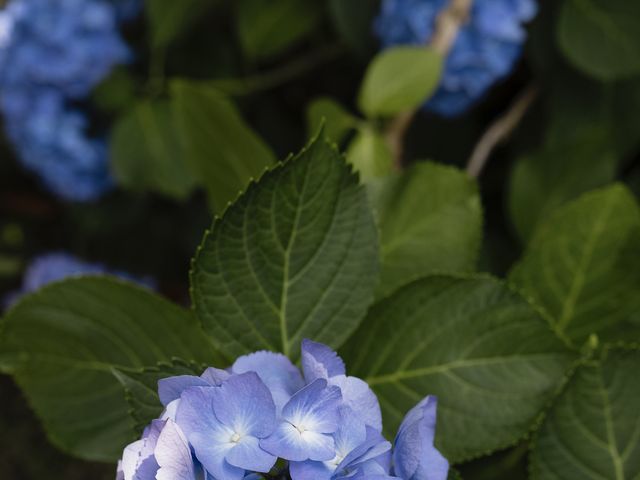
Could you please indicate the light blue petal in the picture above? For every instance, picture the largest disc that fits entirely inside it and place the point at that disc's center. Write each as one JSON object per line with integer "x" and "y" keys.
{"x": 357, "y": 394}
{"x": 319, "y": 361}
{"x": 248, "y": 455}
{"x": 275, "y": 370}
{"x": 211, "y": 440}
{"x": 215, "y": 376}
{"x": 289, "y": 443}
{"x": 415, "y": 457}
{"x": 314, "y": 408}
{"x": 310, "y": 470}
{"x": 170, "y": 389}
{"x": 138, "y": 459}
{"x": 244, "y": 404}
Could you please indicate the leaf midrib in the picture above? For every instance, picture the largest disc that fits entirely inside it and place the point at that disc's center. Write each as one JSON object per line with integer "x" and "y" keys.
{"x": 450, "y": 366}
{"x": 579, "y": 279}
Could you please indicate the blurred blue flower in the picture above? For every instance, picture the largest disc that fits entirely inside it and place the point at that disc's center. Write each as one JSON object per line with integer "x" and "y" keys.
{"x": 53, "y": 53}
{"x": 52, "y": 267}
{"x": 486, "y": 49}
{"x": 230, "y": 421}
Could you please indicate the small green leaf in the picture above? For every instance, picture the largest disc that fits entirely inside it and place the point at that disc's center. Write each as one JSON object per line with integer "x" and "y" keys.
{"x": 370, "y": 154}
{"x": 222, "y": 150}
{"x": 399, "y": 79}
{"x": 583, "y": 264}
{"x": 168, "y": 20}
{"x": 326, "y": 112}
{"x": 601, "y": 37}
{"x": 483, "y": 350}
{"x": 294, "y": 257}
{"x": 268, "y": 27}
{"x": 146, "y": 153}
{"x": 141, "y": 388}
{"x": 66, "y": 339}
{"x": 430, "y": 220}
{"x": 593, "y": 429}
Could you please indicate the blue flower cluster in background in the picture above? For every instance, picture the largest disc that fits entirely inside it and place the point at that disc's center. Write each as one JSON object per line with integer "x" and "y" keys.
{"x": 51, "y": 267}
{"x": 324, "y": 425}
{"x": 485, "y": 50}
{"x": 52, "y": 54}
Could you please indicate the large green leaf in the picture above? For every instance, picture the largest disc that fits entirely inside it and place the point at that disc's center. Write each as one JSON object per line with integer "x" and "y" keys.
{"x": 224, "y": 153}
{"x": 483, "y": 350}
{"x": 593, "y": 429}
{"x": 141, "y": 388}
{"x": 430, "y": 220}
{"x": 268, "y": 27}
{"x": 583, "y": 265}
{"x": 399, "y": 79}
{"x": 146, "y": 153}
{"x": 294, "y": 257}
{"x": 601, "y": 37}
{"x": 66, "y": 339}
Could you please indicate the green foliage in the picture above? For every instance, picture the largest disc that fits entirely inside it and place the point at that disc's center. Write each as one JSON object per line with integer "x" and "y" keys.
{"x": 482, "y": 349}
{"x": 221, "y": 149}
{"x": 336, "y": 120}
{"x": 146, "y": 153}
{"x": 399, "y": 79}
{"x": 593, "y": 429}
{"x": 370, "y": 154}
{"x": 541, "y": 182}
{"x": 168, "y": 20}
{"x": 430, "y": 220}
{"x": 65, "y": 340}
{"x": 141, "y": 388}
{"x": 601, "y": 37}
{"x": 294, "y": 257}
{"x": 583, "y": 265}
{"x": 260, "y": 24}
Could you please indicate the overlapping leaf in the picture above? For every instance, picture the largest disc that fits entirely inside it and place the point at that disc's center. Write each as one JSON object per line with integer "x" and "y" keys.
{"x": 430, "y": 220}
{"x": 295, "y": 256}
{"x": 484, "y": 351}
{"x": 583, "y": 266}
{"x": 593, "y": 429}
{"x": 64, "y": 342}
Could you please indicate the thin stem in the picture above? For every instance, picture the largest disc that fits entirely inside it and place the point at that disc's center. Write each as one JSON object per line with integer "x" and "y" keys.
{"x": 500, "y": 130}
{"x": 448, "y": 24}
{"x": 261, "y": 82}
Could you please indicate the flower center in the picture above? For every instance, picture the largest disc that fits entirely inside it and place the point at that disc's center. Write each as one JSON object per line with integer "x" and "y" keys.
{"x": 235, "y": 438}
{"x": 301, "y": 428}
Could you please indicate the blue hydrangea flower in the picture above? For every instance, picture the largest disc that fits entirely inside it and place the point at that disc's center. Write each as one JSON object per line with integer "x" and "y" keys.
{"x": 228, "y": 422}
{"x": 485, "y": 50}
{"x": 51, "y": 267}
{"x": 414, "y": 456}
{"x": 54, "y": 52}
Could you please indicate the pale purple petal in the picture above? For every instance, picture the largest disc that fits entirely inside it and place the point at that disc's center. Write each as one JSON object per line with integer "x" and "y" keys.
{"x": 170, "y": 389}
{"x": 173, "y": 455}
{"x": 289, "y": 443}
{"x": 357, "y": 394}
{"x": 247, "y": 454}
{"x": 319, "y": 361}
{"x": 244, "y": 404}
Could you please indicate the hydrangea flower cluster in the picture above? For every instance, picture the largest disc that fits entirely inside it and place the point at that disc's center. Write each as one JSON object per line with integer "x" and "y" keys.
{"x": 485, "y": 50}
{"x": 263, "y": 416}
{"x": 52, "y": 54}
{"x": 51, "y": 267}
